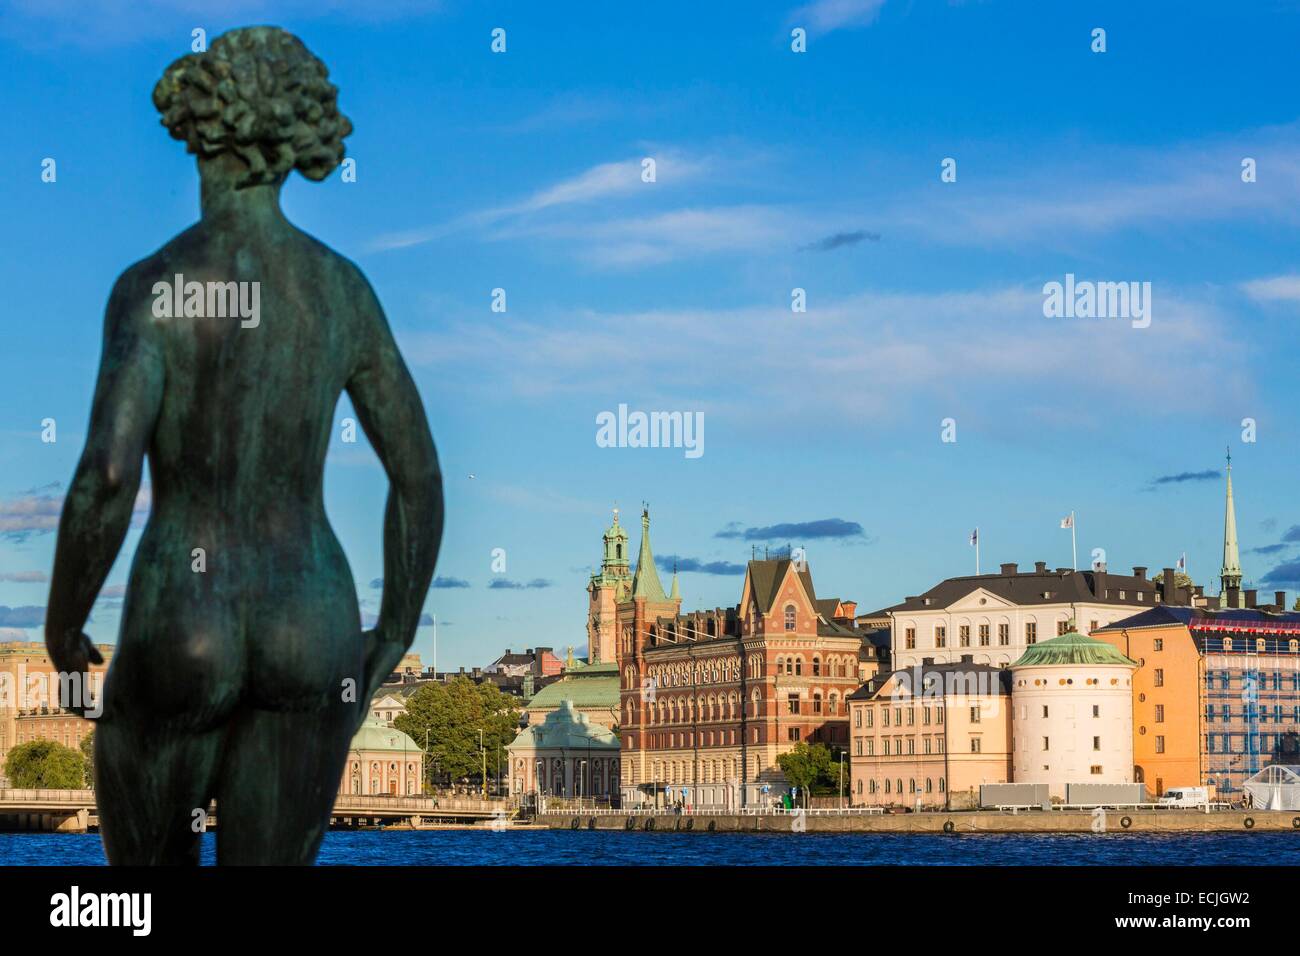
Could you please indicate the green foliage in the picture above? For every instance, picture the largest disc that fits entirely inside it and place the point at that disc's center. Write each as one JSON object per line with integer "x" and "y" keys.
{"x": 813, "y": 768}
{"x": 453, "y": 714}
{"x": 46, "y": 765}
{"x": 88, "y": 754}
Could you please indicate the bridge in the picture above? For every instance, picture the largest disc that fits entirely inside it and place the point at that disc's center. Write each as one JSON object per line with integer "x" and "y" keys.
{"x": 74, "y": 811}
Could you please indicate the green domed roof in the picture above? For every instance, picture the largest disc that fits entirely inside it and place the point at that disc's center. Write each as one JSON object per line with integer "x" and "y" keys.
{"x": 376, "y": 735}
{"x": 1072, "y": 648}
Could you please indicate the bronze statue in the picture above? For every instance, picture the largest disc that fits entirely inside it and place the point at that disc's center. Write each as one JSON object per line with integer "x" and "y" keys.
{"x": 241, "y": 670}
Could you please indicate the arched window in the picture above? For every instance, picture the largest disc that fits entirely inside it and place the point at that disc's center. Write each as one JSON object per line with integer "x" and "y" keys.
{"x": 618, "y": 551}
{"x": 798, "y": 666}
{"x": 817, "y": 667}
{"x": 1227, "y": 643}
{"x": 789, "y": 617}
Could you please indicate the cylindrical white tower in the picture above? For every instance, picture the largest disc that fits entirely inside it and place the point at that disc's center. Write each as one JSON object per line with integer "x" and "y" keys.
{"x": 1072, "y": 714}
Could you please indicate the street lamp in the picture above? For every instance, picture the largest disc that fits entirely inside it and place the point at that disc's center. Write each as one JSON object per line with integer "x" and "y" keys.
{"x": 483, "y": 751}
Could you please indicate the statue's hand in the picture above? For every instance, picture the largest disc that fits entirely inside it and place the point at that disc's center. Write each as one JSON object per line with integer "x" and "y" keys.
{"x": 73, "y": 652}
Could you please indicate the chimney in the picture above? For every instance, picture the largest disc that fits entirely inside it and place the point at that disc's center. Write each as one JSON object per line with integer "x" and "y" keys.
{"x": 1064, "y": 570}
{"x": 850, "y": 608}
{"x": 1139, "y": 572}
{"x": 1099, "y": 583}
{"x": 1252, "y": 595}
{"x": 1170, "y": 586}
{"x": 1279, "y": 598}
{"x": 1040, "y": 567}
{"x": 1009, "y": 568}
{"x": 1200, "y": 590}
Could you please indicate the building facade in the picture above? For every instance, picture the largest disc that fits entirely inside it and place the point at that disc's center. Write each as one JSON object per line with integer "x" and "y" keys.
{"x": 566, "y": 755}
{"x": 1072, "y": 714}
{"x": 1216, "y": 694}
{"x": 994, "y": 618}
{"x": 928, "y": 736}
{"x": 30, "y": 693}
{"x": 382, "y": 761}
{"x": 711, "y": 699}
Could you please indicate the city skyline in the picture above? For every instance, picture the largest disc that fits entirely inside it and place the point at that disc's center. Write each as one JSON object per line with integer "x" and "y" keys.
{"x": 825, "y": 428}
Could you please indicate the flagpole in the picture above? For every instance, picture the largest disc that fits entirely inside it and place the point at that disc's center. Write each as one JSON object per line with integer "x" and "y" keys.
{"x": 977, "y": 552}
{"x": 1074, "y": 543}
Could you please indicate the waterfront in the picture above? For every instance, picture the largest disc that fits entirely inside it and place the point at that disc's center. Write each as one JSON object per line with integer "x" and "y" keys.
{"x": 618, "y": 848}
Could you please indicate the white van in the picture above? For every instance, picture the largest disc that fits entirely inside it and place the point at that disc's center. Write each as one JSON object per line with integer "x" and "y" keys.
{"x": 1185, "y": 797}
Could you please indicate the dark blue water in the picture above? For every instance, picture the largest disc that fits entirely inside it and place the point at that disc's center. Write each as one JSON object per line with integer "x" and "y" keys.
{"x": 618, "y": 847}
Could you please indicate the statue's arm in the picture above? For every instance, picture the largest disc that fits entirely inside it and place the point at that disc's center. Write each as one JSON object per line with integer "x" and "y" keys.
{"x": 392, "y": 416}
{"x": 97, "y": 508}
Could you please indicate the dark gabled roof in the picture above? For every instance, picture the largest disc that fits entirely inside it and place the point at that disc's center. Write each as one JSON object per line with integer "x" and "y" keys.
{"x": 950, "y": 676}
{"x": 765, "y": 578}
{"x": 1208, "y": 619}
{"x": 827, "y": 606}
{"x": 1027, "y": 588}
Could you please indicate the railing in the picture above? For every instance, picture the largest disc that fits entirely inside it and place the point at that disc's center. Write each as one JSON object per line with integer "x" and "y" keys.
{"x": 75, "y": 797}
{"x": 717, "y": 811}
{"x": 1064, "y": 807}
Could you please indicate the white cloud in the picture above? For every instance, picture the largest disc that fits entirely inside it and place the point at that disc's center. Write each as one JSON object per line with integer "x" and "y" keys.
{"x": 824, "y": 16}
{"x": 1284, "y": 288}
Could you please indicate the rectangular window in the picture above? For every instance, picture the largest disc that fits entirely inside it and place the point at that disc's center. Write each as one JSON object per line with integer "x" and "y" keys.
{"x": 1096, "y": 710}
{"x": 911, "y": 716}
{"x": 857, "y": 717}
{"x": 1092, "y": 626}
{"x": 1031, "y": 632}
{"x": 871, "y": 747}
{"x": 1160, "y": 677}
{"x": 1044, "y": 710}
{"x": 1160, "y": 713}
{"x": 884, "y": 715}
{"x": 938, "y": 715}
{"x": 1158, "y": 644}
{"x": 1062, "y": 627}
{"x": 975, "y": 714}
{"x": 974, "y": 745}
{"x": 984, "y": 635}
{"x": 1096, "y": 743}
{"x": 909, "y": 637}
{"x": 925, "y": 716}
{"x": 792, "y": 701}
{"x": 1004, "y": 634}
{"x": 1095, "y": 769}
{"x": 911, "y": 745}
{"x": 1160, "y": 744}
{"x": 940, "y": 636}
{"x": 963, "y": 635}
{"x": 1046, "y": 744}
{"x": 898, "y": 716}
{"x": 871, "y": 719}
{"x": 857, "y": 747}
{"x": 928, "y": 744}
{"x": 794, "y": 733}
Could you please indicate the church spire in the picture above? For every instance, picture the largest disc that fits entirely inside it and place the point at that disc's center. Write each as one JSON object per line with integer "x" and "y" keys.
{"x": 674, "y": 593}
{"x": 646, "y": 581}
{"x": 1230, "y": 575}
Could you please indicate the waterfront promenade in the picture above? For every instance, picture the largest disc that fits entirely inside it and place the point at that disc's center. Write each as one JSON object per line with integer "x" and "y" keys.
{"x": 1136, "y": 820}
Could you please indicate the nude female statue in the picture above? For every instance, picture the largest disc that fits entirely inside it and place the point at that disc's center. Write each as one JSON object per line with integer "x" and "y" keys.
{"x": 241, "y": 670}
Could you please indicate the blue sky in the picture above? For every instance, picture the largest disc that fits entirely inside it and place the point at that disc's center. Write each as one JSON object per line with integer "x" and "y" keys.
{"x": 774, "y": 170}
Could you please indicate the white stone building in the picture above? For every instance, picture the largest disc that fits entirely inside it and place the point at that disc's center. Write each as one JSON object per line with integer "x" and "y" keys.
{"x": 1072, "y": 714}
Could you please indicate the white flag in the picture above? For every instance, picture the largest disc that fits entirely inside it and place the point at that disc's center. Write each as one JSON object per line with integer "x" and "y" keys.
{"x": 1182, "y": 562}
{"x": 1068, "y": 521}
{"x": 975, "y": 536}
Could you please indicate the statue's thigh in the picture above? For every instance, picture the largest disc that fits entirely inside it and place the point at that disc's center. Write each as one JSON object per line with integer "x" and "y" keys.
{"x": 279, "y": 780}
{"x": 152, "y": 788}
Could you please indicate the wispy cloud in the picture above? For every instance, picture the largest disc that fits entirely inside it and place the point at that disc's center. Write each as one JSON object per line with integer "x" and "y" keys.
{"x": 675, "y": 562}
{"x": 1286, "y": 573}
{"x": 449, "y": 582}
{"x": 822, "y": 528}
{"x": 25, "y": 577}
{"x": 505, "y": 584}
{"x": 36, "y": 512}
{"x": 25, "y": 616}
{"x": 826, "y": 16}
{"x": 1284, "y": 288}
{"x": 1185, "y": 476}
{"x": 839, "y": 240}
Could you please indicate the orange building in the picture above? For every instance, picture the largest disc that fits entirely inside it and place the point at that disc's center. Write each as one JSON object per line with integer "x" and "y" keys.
{"x": 1216, "y": 695}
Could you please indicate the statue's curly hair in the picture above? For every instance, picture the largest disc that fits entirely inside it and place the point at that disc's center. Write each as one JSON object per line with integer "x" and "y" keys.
{"x": 259, "y": 93}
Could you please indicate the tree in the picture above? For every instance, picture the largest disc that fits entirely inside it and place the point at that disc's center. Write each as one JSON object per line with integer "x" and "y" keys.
{"x": 450, "y": 717}
{"x": 88, "y": 754}
{"x": 45, "y": 765}
{"x": 812, "y": 768}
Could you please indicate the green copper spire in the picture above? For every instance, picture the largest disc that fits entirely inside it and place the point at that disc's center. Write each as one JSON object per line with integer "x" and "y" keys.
{"x": 1230, "y": 575}
{"x": 675, "y": 594}
{"x": 616, "y": 556}
{"x": 646, "y": 582}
